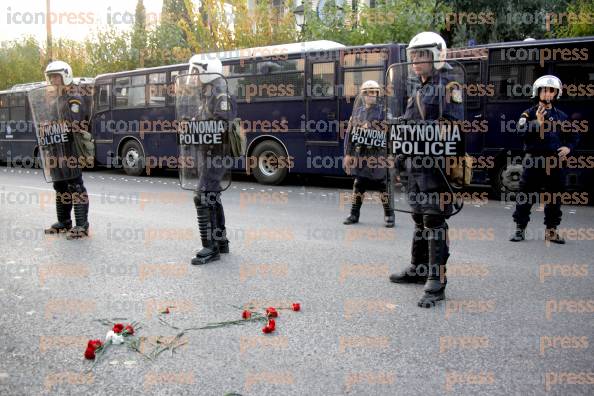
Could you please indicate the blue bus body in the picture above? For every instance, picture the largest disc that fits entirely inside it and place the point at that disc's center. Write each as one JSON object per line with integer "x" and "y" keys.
{"x": 510, "y": 69}
{"x": 295, "y": 100}
{"x": 293, "y": 105}
{"x": 18, "y": 141}
{"x": 17, "y": 135}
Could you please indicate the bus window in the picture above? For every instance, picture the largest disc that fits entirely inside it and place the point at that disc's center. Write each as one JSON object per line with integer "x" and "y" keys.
{"x": 121, "y": 91}
{"x": 354, "y": 78}
{"x": 578, "y": 79}
{"x": 136, "y": 97}
{"x": 17, "y": 107}
{"x": 365, "y": 57}
{"x": 278, "y": 79}
{"x": 238, "y": 69}
{"x": 130, "y": 92}
{"x": 171, "y": 88}
{"x": 473, "y": 78}
{"x": 513, "y": 81}
{"x": 237, "y": 86}
{"x": 157, "y": 89}
{"x": 174, "y": 75}
{"x": 322, "y": 80}
{"x": 103, "y": 97}
{"x": 280, "y": 66}
{"x": 4, "y": 116}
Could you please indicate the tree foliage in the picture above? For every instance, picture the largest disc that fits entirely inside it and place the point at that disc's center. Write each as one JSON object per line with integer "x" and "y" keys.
{"x": 188, "y": 27}
{"x": 139, "y": 32}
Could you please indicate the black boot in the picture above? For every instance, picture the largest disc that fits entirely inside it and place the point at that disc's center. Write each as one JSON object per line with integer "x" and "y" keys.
{"x": 81, "y": 214}
{"x": 551, "y": 235}
{"x": 357, "y": 202}
{"x": 416, "y": 272}
{"x": 210, "y": 249}
{"x": 389, "y": 219}
{"x": 438, "y": 256}
{"x": 352, "y": 219}
{"x": 221, "y": 231}
{"x": 519, "y": 235}
{"x": 64, "y": 223}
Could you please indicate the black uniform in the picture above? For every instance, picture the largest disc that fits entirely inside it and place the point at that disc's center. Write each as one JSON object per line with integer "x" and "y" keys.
{"x": 424, "y": 185}
{"x": 70, "y": 190}
{"x": 366, "y": 175}
{"x": 535, "y": 177}
{"x": 218, "y": 105}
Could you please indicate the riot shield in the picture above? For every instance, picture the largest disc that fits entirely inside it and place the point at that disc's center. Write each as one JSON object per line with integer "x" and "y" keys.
{"x": 425, "y": 113}
{"x": 57, "y": 150}
{"x": 203, "y": 115}
{"x": 365, "y": 140}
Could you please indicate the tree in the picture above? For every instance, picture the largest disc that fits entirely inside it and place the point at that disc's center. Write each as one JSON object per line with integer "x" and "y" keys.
{"x": 578, "y": 22}
{"x": 139, "y": 32}
{"x": 505, "y": 20}
{"x": 167, "y": 43}
{"x": 108, "y": 51}
{"x": 72, "y": 52}
{"x": 20, "y": 62}
{"x": 388, "y": 21}
{"x": 225, "y": 25}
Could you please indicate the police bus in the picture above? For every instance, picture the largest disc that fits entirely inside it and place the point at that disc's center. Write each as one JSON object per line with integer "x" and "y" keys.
{"x": 18, "y": 142}
{"x": 499, "y": 86}
{"x": 293, "y": 101}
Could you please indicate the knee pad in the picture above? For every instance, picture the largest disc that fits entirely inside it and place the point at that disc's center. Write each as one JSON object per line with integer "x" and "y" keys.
{"x": 199, "y": 200}
{"x": 76, "y": 188}
{"x": 207, "y": 199}
{"x": 434, "y": 221}
{"x": 61, "y": 187}
{"x": 418, "y": 219}
{"x": 359, "y": 185}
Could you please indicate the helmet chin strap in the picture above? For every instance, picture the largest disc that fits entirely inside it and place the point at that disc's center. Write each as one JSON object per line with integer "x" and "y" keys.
{"x": 545, "y": 102}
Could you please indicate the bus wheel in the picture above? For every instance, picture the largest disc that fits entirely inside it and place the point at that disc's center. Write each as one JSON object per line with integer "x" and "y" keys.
{"x": 133, "y": 158}
{"x": 507, "y": 178}
{"x": 270, "y": 155}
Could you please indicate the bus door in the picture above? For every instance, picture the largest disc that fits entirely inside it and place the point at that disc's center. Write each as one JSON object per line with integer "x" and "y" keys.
{"x": 20, "y": 131}
{"x": 476, "y": 90}
{"x": 102, "y": 124}
{"x": 4, "y": 117}
{"x": 322, "y": 128}
{"x": 577, "y": 101}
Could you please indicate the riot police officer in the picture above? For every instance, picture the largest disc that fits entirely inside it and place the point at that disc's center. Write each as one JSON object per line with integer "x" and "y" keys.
{"x": 363, "y": 151}
{"x": 59, "y": 107}
{"x": 542, "y": 141}
{"x": 212, "y": 160}
{"x": 434, "y": 97}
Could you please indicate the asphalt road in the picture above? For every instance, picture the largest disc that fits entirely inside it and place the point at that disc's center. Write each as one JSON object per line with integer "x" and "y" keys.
{"x": 518, "y": 318}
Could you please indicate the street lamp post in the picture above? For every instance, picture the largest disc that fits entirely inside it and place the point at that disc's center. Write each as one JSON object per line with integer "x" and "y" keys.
{"x": 49, "y": 30}
{"x": 299, "y": 13}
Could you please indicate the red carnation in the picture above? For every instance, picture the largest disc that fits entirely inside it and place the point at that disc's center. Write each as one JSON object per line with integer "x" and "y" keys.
{"x": 269, "y": 328}
{"x": 296, "y": 307}
{"x": 165, "y": 311}
{"x": 90, "y": 353}
{"x": 118, "y": 327}
{"x": 271, "y": 312}
{"x": 271, "y": 324}
{"x": 94, "y": 344}
{"x": 129, "y": 329}
{"x": 246, "y": 314}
